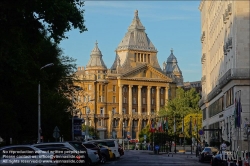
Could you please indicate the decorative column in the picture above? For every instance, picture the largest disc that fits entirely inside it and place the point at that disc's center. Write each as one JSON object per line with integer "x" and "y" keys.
{"x": 149, "y": 100}
{"x": 139, "y": 127}
{"x": 157, "y": 99}
{"x": 120, "y": 99}
{"x": 166, "y": 94}
{"x": 139, "y": 99}
{"x": 130, "y": 100}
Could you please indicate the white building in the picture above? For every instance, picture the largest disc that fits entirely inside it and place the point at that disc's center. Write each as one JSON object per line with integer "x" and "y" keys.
{"x": 225, "y": 68}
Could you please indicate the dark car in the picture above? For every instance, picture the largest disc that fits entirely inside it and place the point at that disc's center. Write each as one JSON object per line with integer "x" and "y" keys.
{"x": 102, "y": 152}
{"x": 207, "y": 153}
{"x": 120, "y": 150}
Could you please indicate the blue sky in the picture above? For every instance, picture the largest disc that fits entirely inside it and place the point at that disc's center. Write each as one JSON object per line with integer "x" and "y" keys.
{"x": 169, "y": 24}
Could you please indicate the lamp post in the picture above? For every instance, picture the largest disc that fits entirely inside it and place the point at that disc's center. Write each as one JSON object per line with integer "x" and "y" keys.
{"x": 77, "y": 88}
{"x": 39, "y": 106}
{"x": 87, "y": 117}
{"x": 123, "y": 135}
{"x": 191, "y": 134}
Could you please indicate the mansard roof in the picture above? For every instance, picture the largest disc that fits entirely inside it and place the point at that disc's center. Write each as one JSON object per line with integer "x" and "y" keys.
{"x": 96, "y": 60}
{"x": 136, "y": 38}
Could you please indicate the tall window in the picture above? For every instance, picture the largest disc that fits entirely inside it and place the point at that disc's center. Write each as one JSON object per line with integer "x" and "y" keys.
{"x": 135, "y": 123}
{"x": 114, "y": 88}
{"x": 124, "y": 110}
{"x": 124, "y": 100}
{"x": 152, "y": 101}
{"x": 153, "y": 90}
{"x": 143, "y": 100}
{"x": 114, "y": 110}
{"x": 162, "y": 102}
{"x": 115, "y": 122}
{"x": 162, "y": 90}
{"x": 114, "y": 99}
{"x": 134, "y": 100}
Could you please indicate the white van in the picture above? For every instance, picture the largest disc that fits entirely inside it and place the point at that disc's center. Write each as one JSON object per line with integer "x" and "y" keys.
{"x": 111, "y": 143}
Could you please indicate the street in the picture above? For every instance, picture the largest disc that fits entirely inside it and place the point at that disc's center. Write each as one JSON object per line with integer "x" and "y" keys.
{"x": 147, "y": 158}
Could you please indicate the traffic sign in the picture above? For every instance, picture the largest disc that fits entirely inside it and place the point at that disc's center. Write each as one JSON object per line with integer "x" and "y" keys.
{"x": 201, "y": 132}
{"x": 157, "y": 147}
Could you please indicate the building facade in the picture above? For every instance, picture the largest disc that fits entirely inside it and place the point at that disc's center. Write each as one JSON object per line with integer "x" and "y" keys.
{"x": 225, "y": 70}
{"x": 123, "y": 99}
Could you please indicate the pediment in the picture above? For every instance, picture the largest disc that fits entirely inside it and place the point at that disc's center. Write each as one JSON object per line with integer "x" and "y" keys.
{"x": 146, "y": 72}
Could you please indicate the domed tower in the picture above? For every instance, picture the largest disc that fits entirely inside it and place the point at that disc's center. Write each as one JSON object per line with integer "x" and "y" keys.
{"x": 135, "y": 49}
{"x": 172, "y": 70}
{"x": 96, "y": 63}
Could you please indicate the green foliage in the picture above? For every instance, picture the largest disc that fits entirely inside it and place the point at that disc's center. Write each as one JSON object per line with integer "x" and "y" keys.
{"x": 30, "y": 31}
{"x": 185, "y": 104}
{"x": 145, "y": 131}
{"x": 92, "y": 131}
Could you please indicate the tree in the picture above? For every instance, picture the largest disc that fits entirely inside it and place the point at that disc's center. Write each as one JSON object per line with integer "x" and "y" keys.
{"x": 92, "y": 131}
{"x": 30, "y": 32}
{"x": 182, "y": 106}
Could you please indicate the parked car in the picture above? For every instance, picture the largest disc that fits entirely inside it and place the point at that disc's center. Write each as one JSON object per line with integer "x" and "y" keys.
{"x": 111, "y": 155}
{"x": 220, "y": 158}
{"x": 111, "y": 143}
{"x": 133, "y": 141}
{"x": 24, "y": 155}
{"x": 207, "y": 153}
{"x": 63, "y": 155}
{"x": 72, "y": 145}
{"x": 102, "y": 152}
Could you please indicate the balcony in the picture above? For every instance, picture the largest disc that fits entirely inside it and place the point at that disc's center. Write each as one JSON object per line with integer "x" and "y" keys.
{"x": 226, "y": 14}
{"x": 230, "y": 42}
{"x": 134, "y": 113}
{"x": 225, "y": 50}
{"x": 202, "y": 36}
{"x": 203, "y": 58}
{"x": 229, "y": 9}
{"x": 224, "y": 19}
{"x": 203, "y": 79}
{"x": 144, "y": 113}
{"x": 101, "y": 115}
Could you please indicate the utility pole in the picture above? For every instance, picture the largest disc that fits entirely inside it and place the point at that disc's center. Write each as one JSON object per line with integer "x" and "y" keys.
{"x": 191, "y": 134}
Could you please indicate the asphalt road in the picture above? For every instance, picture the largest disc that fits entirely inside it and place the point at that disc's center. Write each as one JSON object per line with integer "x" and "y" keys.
{"x": 147, "y": 158}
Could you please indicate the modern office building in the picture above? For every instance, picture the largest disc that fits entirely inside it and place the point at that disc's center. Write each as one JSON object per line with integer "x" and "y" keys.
{"x": 225, "y": 70}
{"x": 132, "y": 91}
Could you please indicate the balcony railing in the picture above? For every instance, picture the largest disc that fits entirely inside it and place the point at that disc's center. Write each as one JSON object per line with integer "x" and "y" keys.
{"x": 144, "y": 113}
{"x": 135, "y": 113}
{"x": 101, "y": 115}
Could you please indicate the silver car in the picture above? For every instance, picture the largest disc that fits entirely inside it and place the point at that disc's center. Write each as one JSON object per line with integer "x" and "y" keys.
{"x": 93, "y": 156}
{"x": 24, "y": 155}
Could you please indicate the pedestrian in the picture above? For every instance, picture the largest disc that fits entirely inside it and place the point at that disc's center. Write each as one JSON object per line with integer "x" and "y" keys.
{"x": 223, "y": 146}
{"x": 198, "y": 149}
{"x": 206, "y": 144}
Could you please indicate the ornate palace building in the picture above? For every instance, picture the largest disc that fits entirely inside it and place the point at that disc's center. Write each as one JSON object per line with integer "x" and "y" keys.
{"x": 225, "y": 70}
{"x": 132, "y": 91}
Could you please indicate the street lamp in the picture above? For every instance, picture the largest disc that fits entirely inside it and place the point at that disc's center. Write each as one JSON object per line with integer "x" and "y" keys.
{"x": 123, "y": 135}
{"x": 191, "y": 134}
{"x": 39, "y": 106}
{"x": 87, "y": 111}
{"x": 77, "y": 88}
